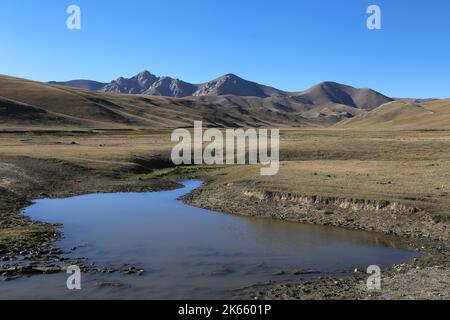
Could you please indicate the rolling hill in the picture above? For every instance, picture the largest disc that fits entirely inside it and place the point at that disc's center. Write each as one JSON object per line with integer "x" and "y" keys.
{"x": 403, "y": 115}
{"x": 81, "y": 84}
{"x": 229, "y": 101}
{"x": 26, "y": 102}
{"x": 326, "y": 93}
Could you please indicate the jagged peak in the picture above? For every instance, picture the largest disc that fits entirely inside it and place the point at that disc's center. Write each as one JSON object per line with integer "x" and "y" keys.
{"x": 145, "y": 75}
{"x": 230, "y": 76}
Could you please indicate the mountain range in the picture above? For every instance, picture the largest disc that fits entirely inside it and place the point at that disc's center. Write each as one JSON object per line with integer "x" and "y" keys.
{"x": 148, "y": 84}
{"x": 148, "y": 101}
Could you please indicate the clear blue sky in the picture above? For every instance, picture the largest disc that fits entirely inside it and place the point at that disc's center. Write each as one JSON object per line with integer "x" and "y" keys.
{"x": 289, "y": 44}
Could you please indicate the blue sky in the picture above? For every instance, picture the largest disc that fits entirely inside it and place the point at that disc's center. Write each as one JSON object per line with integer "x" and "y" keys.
{"x": 289, "y": 44}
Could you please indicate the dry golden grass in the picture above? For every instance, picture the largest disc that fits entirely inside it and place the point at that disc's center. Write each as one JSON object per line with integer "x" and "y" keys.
{"x": 407, "y": 166}
{"x": 99, "y": 150}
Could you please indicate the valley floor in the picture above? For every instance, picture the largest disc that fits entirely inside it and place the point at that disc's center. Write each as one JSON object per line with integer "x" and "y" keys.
{"x": 390, "y": 182}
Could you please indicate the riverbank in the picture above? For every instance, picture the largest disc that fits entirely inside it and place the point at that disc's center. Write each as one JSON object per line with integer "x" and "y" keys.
{"x": 24, "y": 242}
{"x": 424, "y": 278}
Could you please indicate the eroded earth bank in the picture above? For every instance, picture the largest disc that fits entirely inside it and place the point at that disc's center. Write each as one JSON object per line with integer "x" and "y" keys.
{"x": 424, "y": 278}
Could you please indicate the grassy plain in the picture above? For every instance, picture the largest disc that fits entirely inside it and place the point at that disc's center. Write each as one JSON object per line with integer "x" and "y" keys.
{"x": 406, "y": 166}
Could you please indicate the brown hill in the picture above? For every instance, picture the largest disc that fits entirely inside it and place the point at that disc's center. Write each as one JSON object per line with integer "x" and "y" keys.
{"x": 81, "y": 84}
{"x": 24, "y": 103}
{"x": 402, "y": 115}
{"x": 33, "y": 103}
{"x": 328, "y": 92}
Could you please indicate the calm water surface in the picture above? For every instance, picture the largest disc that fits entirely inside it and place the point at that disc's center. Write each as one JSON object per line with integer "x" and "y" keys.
{"x": 187, "y": 252}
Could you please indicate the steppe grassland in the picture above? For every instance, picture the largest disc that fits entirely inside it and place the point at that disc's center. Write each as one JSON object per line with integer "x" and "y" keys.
{"x": 407, "y": 166}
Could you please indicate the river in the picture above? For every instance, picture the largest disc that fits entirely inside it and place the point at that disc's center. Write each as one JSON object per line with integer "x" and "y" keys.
{"x": 188, "y": 252}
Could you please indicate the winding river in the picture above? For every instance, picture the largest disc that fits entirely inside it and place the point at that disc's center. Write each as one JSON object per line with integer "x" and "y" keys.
{"x": 188, "y": 252}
